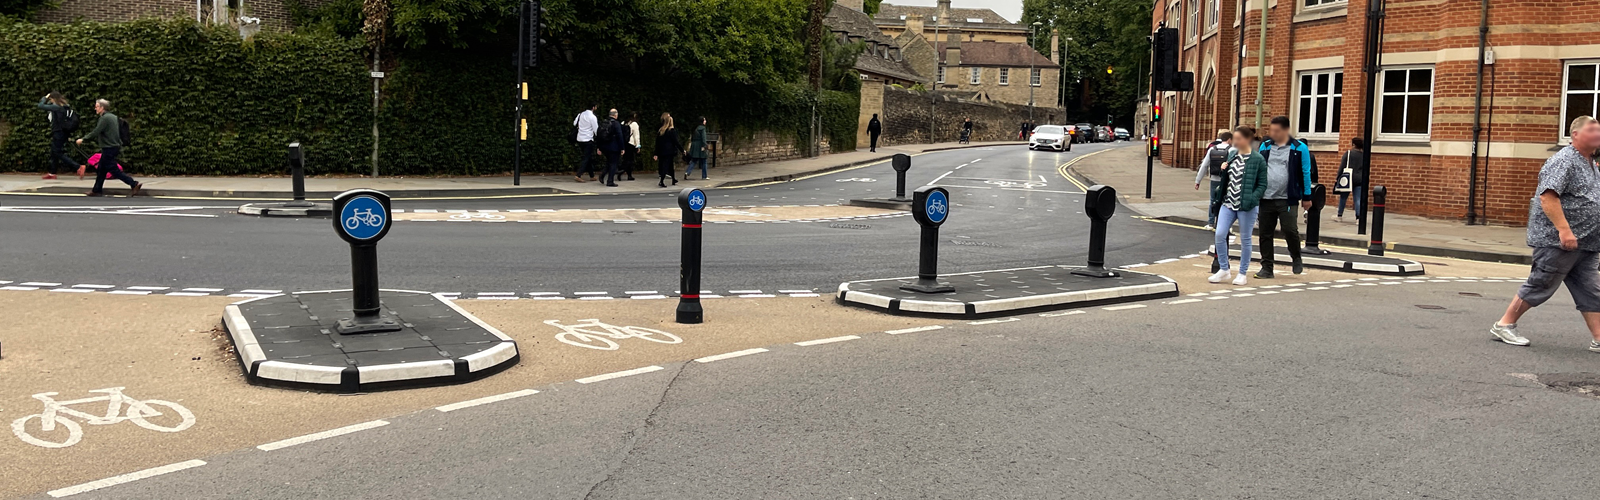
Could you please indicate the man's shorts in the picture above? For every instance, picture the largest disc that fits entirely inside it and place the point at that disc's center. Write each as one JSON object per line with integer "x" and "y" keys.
{"x": 1580, "y": 270}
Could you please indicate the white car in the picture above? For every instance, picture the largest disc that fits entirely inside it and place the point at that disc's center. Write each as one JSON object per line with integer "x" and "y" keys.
{"x": 1052, "y": 137}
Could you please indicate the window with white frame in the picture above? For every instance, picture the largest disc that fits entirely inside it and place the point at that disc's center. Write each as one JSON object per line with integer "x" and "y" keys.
{"x": 1321, "y": 96}
{"x": 1322, "y": 3}
{"x": 1581, "y": 93}
{"x": 1407, "y": 103}
{"x": 1191, "y": 27}
{"x": 1005, "y": 76}
{"x": 1215, "y": 16}
{"x": 977, "y": 76}
{"x": 941, "y": 74}
{"x": 1033, "y": 77}
{"x": 1168, "y": 105}
{"x": 1174, "y": 14}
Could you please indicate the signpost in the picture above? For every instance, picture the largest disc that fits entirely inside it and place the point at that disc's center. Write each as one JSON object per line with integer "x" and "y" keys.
{"x": 693, "y": 202}
{"x": 930, "y": 206}
{"x": 902, "y": 163}
{"x": 361, "y": 217}
{"x": 1099, "y": 203}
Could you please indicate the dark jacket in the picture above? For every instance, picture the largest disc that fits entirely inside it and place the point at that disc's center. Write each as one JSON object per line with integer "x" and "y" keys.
{"x": 56, "y": 114}
{"x": 1353, "y": 159}
{"x": 875, "y": 127}
{"x": 667, "y": 144}
{"x": 1299, "y": 157}
{"x": 697, "y": 143}
{"x": 617, "y": 139}
{"x": 106, "y": 133}
{"x": 1253, "y": 184}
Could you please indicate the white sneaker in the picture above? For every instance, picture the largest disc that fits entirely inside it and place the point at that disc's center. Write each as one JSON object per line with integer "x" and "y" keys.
{"x": 1507, "y": 334}
{"x": 1221, "y": 276}
{"x": 1239, "y": 281}
{"x": 1210, "y": 227}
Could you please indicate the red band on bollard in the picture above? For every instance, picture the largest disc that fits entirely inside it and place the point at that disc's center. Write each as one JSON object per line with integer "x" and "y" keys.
{"x": 697, "y": 226}
{"x": 690, "y": 296}
{"x": 1378, "y": 205}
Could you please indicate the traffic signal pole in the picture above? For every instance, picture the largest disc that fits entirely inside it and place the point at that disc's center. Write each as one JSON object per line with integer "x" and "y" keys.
{"x": 520, "y": 94}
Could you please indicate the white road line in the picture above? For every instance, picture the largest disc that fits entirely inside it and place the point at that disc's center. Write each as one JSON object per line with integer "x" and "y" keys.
{"x": 39, "y": 284}
{"x": 940, "y": 178}
{"x": 1184, "y": 301}
{"x": 1059, "y": 314}
{"x": 743, "y": 292}
{"x": 643, "y": 292}
{"x": 647, "y": 297}
{"x": 928, "y": 328}
{"x": 624, "y": 373}
{"x": 72, "y": 290}
{"x": 188, "y": 294}
{"x": 828, "y": 340}
{"x": 207, "y": 290}
{"x": 501, "y": 294}
{"x": 278, "y": 445}
{"x": 251, "y": 295}
{"x": 1164, "y": 261}
{"x": 993, "y": 321}
{"x": 261, "y": 291}
{"x": 728, "y": 355}
{"x": 794, "y": 291}
{"x": 129, "y": 292}
{"x": 802, "y": 295}
{"x": 595, "y": 298}
{"x": 592, "y": 293}
{"x": 1124, "y": 308}
{"x": 19, "y": 288}
{"x": 537, "y": 294}
{"x": 125, "y": 478}
{"x": 486, "y": 400}
{"x": 96, "y": 287}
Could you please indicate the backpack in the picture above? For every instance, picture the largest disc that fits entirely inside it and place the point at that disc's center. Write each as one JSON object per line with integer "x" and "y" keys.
{"x": 603, "y": 136}
{"x": 124, "y": 132}
{"x": 627, "y": 134}
{"x": 1217, "y": 157}
{"x": 69, "y": 121}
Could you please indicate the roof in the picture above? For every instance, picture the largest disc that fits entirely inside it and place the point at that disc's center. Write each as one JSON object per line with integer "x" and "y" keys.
{"x": 997, "y": 54}
{"x": 891, "y": 12}
{"x": 856, "y": 24}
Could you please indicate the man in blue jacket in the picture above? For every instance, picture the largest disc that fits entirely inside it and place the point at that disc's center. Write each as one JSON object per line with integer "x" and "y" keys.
{"x": 1288, "y": 183}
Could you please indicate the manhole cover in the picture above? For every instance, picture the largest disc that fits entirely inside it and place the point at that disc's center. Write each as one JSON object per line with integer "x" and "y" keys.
{"x": 838, "y": 225}
{"x": 1430, "y": 307}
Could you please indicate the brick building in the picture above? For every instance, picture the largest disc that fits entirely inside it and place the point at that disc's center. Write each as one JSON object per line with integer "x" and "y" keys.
{"x": 272, "y": 14}
{"x": 1428, "y": 91}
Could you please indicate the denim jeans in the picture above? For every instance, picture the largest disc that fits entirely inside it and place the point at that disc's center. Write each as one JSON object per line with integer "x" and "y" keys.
{"x": 1247, "y": 224}
{"x": 697, "y": 161}
{"x": 1355, "y": 206}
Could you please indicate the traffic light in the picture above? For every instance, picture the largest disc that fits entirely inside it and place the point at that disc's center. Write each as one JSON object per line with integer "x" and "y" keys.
{"x": 1108, "y": 70}
{"x": 1164, "y": 73}
{"x": 535, "y": 29}
{"x": 1155, "y": 145}
{"x": 1155, "y": 113}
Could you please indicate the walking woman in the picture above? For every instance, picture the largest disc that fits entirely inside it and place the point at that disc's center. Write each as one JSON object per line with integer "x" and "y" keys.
{"x": 63, "y": 121}
{"x": 630, "y": 155}
{"x": 1350, "y": 176}
{"x": 667, "y": 148}
{"x": 697, "y": 151}
{"x": 1247, "y": 182}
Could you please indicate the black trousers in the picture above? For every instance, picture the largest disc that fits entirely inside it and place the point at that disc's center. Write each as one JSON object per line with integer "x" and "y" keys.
{"x": 630, "y": 156}
{"x": 58, "y": 155}
{"x": 1273, "y": 214}
{"x": 874, "y": 146}
{"x": 108, "y": 168}
{"x": 586, "y": 159}
{"x": 613, "y": 158}
{"x": 665, "y": 169}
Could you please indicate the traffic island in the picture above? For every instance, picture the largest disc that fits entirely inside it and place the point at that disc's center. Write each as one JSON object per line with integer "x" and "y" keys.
{"x": 1007, "y": 291}
{"x": 1337, "y": 261}
{"x": 899, "y": 202}
{"x": 293, "y": 340}
{"x": 299, "y": 207}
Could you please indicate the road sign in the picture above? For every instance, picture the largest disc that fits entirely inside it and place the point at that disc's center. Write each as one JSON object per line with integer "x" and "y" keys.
{"x": 363, "y": 217}
{"x": 932, "y": 206}
{"x": 692, "y": 201}
{"x": 695, "y": 200}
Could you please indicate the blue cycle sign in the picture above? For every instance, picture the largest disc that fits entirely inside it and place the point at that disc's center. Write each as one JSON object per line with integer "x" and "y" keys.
{"x": 363, "y": 215}
{"x": 930, "y": 205}
{"x": 697, "y": 200}
{"x": 937, "y": 207}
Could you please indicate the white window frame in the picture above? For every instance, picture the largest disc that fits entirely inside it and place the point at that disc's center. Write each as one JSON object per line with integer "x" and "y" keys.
{"x": 976, "y": 76}
{"x": 1035, "y": 76}
{"x": 1191, "y": 24}
{"x": 941, "y": 74}
{"x": 1005, "y": 76}
{"x": 1302, "y": 93}
{"x": 1384, "y": 77}
{"x": 1566, "y": 71}
{"x": 1321, "y": 4}
{"x": 1216, "y": 14}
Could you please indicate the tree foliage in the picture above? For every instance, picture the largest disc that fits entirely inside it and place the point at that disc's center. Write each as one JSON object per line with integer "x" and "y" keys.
{"x": 1104, "y": 33}
{"x": 838, "y": 64}
{"x": 24, "y": 9}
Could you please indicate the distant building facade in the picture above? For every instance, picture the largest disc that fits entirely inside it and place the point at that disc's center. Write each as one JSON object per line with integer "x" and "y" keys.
{"x": 881, "y": 59}
{"x": 268, "y": 14}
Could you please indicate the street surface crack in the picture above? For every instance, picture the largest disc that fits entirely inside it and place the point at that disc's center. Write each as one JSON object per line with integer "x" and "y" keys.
{"x": 635, "y": 435}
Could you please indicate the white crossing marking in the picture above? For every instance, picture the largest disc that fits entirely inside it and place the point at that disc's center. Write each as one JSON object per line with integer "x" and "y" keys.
{"x": 207, "y": 290}
{"x": 624, "y": 373}
{"x": 743, "y": 292}
{"x": 993, "y": 321}
{"x": 261, "y": 291}
{"x": 19, "y": 288}
{"x": 129, "y": 292}
{"x": 928, "y": 328}
{"x": 1059, "y": 314}
{"x": 188, "y": 294}
{"x": 486, "y": 400}
{"x": 278, "y": 445}
{"x": 38, "y": 284}
{"x": 644, "y": 292}
{"x": 72, "y": 290}
{"x": 96, "y": 287}
{"x": 1184, "y": 301}
{"x": 125, "y": 478}
{"x": 734, "y": 354}
{"x": 828, "y": 340}
{"x": 592, "y": 293}
{"x": 1124, "y": 308}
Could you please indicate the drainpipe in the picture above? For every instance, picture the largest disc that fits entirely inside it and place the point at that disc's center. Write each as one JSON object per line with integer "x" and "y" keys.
{"x": 1238, "y": 70}
{"x": 1477, "y": 116}
{"x": 1261, "y": 63}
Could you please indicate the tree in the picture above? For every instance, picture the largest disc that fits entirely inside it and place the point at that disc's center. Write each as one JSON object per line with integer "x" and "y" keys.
{"x": 24, "y": 9}
{"x": 871, "y": 7}
{"x": 839, "y": 64}
{"x": 1105, "y": 33}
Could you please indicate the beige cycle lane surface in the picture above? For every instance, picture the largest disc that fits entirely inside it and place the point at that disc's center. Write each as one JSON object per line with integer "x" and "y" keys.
{"x": 172, "y": 349}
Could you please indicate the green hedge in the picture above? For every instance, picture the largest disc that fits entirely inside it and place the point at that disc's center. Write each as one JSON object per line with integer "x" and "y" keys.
{"x": 201, "y": 101}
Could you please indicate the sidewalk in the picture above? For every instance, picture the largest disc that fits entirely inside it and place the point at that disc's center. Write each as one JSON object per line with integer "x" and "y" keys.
{"x": 278, "y": 188}
{"x": 1174, "y": 198}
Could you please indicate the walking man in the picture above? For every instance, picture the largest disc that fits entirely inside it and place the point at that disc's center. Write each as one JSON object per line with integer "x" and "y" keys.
{"x": 1564, "y": 231}
{"x": 587, "y": 126}
{"x": 63, "y": 121}
{"x": 1288, "y": 183}
{"x": 611, "y": 139}
{"x": 1214, "y": 164}
{"x": 874, "y": 128}
{"x": 107, "y": 134}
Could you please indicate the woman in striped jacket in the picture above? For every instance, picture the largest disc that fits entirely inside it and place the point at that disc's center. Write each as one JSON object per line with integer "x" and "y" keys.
{"x": 1246, "y": 175}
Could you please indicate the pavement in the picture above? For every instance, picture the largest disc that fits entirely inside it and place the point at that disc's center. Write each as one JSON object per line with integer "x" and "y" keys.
{"x": 278, "y": 187}
{"x": 1174, "y": 198}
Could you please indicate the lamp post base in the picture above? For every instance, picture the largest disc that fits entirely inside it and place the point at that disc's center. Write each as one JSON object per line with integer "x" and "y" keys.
{"x": 1095, "y": 272}
{"x": 375, "y": 324}
{"x": 928, "y": 286}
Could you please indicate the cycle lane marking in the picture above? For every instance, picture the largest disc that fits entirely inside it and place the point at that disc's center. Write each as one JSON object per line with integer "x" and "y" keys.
{"x": 125, "y": 478}
{"x": 485, "y": 400}
{"x": 624, "y": 373}
{"x": 730, "y": 355}
{"x": 318, "y": 436}
{"x": 829, "y": 340}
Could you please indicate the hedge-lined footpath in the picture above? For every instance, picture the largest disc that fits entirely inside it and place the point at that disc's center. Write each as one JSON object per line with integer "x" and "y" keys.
{"x": 203, "y": 102}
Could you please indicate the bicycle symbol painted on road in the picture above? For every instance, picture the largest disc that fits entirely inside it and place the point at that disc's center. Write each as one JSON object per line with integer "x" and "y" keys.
{"x": 174, "y": 417}
{"x": 856, "y": 179}
{"x": 593, "y": 334}
{"x": 1016, "y": 184}
{"x": 363, "y": 217}
{"x": 480, "y": 215}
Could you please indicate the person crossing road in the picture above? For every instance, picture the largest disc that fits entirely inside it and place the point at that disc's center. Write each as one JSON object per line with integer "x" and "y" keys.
{"x": 107, "y": 134}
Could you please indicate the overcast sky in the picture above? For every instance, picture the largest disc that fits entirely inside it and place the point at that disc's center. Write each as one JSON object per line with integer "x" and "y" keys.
{"x": 1010, "y": 9}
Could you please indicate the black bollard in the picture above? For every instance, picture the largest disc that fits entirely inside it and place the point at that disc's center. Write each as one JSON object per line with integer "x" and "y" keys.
{"x": 902, "y": 163}
{"x": 1379, "y": 194}
{"x": 1319, "y": 199}
{"x": 361, "y": 219}
{"x": 930, "y": 206}
{"x": 1099, "y": 203}
{"x": 297, "y": 170}
{"x": 692, "y": 201}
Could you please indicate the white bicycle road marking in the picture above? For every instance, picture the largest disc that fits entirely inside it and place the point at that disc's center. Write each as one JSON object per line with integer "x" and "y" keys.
{"x": 856, "y": 179}
{"x": 56, "y": 413}
{"x": 470, "y": 216}
{"x": 593, "y": 334}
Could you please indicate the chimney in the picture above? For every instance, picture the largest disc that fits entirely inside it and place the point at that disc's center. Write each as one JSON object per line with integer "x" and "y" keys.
{"x": 952, "y": 46}
{"x": 914, "y": 23}
{"x": 1055, "y": 45}
{"x": 944, "y": 13}
{"x": 851, "y": 4}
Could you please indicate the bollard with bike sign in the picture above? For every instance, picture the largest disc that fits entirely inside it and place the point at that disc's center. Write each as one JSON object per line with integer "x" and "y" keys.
{"x": 930, "y": 206}
{"x": 362, "y": 219}
{"x": 693, "y": 202}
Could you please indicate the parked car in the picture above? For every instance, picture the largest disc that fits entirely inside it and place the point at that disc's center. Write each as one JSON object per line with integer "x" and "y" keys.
{"x": 1104, "y": 134}
{"x": 1085, "y": 132}
{"x": 1122, "y": 134}
{"x": 1052, "y": 137}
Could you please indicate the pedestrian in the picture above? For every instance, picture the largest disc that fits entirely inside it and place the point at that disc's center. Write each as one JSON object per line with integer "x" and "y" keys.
{"x": 1288, "y": 183}
{"x": 63, "y": 121}
{"x": 1213, "y": 165}
{"x": 107, "y": 134}
{"x": 631, "y": 154}
{"x": 1022, "y": 133}
{"x": 874, "y": 128}
{"x": 667, "y": 147}
{"x": 697, "y": 151}
{"x": 966, "y": 130}
{"x": 587, "y": 126}
{"x": 612, "y": 141}
{"x": 1351, "y": 177}
{"x": 1246, "y": 182}
{"x": 1564, "y": 231}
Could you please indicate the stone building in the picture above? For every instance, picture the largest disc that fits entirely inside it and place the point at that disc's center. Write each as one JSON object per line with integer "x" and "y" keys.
{"x": 881, "y": 59}
{"x": 1429, "y": 98}
{"x": 1011, "y": 73}
{"x": 269, "y": 14}
{"x": 979, "y": 24}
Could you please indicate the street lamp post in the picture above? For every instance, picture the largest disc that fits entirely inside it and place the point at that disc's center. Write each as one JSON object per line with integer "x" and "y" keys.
{"x": 1061, "y": 79}
{"x": 1031, "y": 36}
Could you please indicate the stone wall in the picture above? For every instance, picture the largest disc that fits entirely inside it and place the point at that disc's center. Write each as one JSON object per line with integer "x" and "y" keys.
{"x": 871, "y": 104}
{"x": 906, "y": 117}
{"x": 759, "y": 147}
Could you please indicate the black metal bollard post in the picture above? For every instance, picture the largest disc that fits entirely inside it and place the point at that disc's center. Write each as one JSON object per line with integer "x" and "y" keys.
{"x": 901, "y": 163}
{"x": 1099, "y": 204}
{"x": 297, "y": 170}
{"x": 1379, "y": 195}
{"x": 362, "y": 218}
{"x": 693, "y": 202}
{"x": 1319, "y": 199}
{"x": 930, "y": 206}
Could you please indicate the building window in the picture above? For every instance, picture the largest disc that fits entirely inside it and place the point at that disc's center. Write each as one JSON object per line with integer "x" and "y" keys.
{"x": 1407, "y": 101}
{"x": 941, "y": 74}
{"x": 1321, "y": 96}
{"x": 1582, "y": 94}
{"x": 1322, "y": 3}
{"x": 1215, "y": 15}
{"x": 977, "y": 76}
{"x": 1005, "y": 76}
{"x": 1033, "y": 77}
{"x": 1174, "y": 14}
{"x": 1192, "y": 26}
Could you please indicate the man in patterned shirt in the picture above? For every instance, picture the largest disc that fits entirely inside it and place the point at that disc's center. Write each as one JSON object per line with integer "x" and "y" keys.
{"x": 1564, "y": 231}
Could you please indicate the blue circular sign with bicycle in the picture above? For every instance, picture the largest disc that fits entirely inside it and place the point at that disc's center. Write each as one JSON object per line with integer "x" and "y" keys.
{"x": 937, "y": 206}
{"x": 695, "y": 200}
{"x": 930, "y": 205}
{"x": 362, "y": 215}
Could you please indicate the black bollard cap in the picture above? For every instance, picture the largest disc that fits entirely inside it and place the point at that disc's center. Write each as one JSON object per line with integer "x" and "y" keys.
{"x": 295, "y": 155}
{"x": 1100, "y": 202}
{"x": 902, "y": 162}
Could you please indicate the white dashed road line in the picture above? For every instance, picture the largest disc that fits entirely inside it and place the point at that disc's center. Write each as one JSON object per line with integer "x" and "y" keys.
{"x": 993, "y": 321}
{"x": 928, "y": 328}
{"x": 1124, "y": 308}
{"x": 486, "y": 400}
{"x": 828, "y": 340}
{"x": 624, "y": 373}
{"x": 125, "y": 478}
{"x": 730, "y": 355}
{"x": 1059, "y": 314}
{"x": 278, "y": 445}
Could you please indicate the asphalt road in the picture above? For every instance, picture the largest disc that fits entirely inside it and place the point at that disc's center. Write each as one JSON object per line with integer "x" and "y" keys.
{"x": 1343, "y": 393}
{"x": 1012, "y": 209}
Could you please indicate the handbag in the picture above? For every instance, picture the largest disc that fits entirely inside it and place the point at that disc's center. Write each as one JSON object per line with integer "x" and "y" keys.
{"x": 1342, "y": 185}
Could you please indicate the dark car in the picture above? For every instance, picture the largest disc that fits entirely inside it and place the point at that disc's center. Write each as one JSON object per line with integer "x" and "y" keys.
{"x": 1084, "y": 133}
